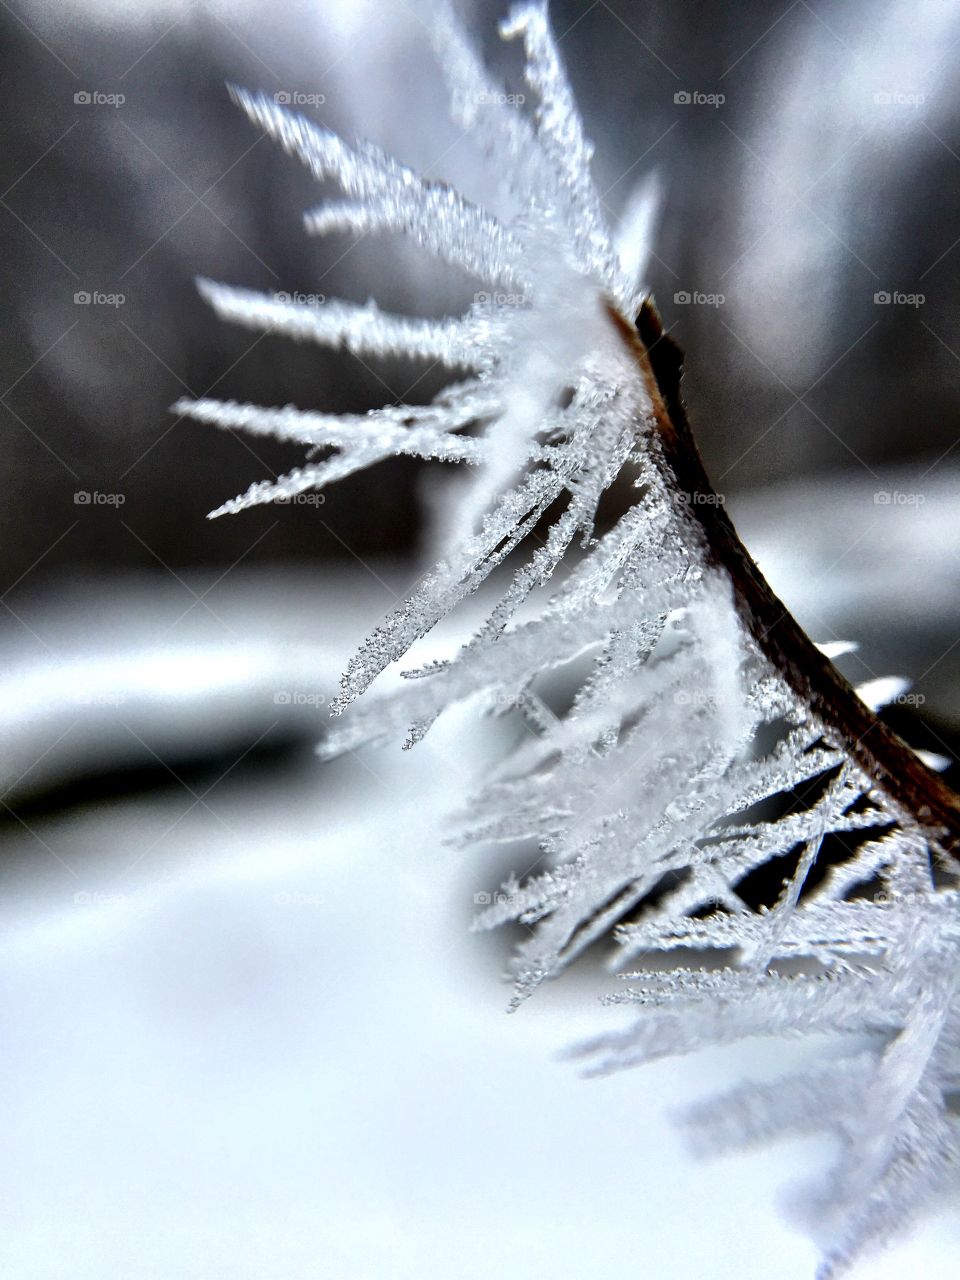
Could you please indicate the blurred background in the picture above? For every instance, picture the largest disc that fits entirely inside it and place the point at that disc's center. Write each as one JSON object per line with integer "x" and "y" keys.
{"x": 248, "y": 974}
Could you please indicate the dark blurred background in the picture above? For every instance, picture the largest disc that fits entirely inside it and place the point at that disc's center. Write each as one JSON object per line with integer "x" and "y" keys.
{"x": 796, "y": 199}
{"x": 806, "y": 162}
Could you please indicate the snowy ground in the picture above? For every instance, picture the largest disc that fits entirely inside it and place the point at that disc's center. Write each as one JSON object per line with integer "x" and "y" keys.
{"x": 248, "y": 1034}
{"x": 252, "y": 1037}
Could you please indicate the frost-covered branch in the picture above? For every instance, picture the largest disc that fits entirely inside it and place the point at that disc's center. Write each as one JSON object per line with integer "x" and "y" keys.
{"x": 711, "y": 754}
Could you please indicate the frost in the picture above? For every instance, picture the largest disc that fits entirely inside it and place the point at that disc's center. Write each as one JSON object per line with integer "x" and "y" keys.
{"x": 363, "y": 330}
{"x": 683, "y": 800}
{"x": 884, "y": 970}
{"x": 360, "y": 440}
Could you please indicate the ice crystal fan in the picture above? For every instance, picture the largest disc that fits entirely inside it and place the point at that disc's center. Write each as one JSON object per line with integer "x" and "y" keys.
{"x": 764, "y": 853}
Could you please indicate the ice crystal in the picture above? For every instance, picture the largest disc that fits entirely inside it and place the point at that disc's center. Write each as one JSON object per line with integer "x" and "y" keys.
{"x": 686, "y": 768}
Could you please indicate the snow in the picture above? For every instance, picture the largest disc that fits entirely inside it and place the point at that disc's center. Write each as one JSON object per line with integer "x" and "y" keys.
{"x": 268, "y": 1050}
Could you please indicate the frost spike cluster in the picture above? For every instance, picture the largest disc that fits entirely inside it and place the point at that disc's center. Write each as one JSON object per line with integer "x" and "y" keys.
{"x": 685, "y": 769}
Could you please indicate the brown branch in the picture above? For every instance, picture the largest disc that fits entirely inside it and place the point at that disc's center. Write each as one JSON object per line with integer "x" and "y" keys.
{"x": 883, "y": 756}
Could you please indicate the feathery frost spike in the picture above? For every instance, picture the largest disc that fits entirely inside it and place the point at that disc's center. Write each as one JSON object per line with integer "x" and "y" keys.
{"x": 561, "y": 135}
{"x": 685, "y": 800}
{"x": 397, "y": 199}
{"x": 363, "y": 330}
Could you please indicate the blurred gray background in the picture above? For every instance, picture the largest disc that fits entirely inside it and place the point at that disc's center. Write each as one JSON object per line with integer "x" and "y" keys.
{"x": 806, "y": 162}
{"x": 190, "y": 899}
{"x": 797, "y": 199}
{"x": 805, "y": 253}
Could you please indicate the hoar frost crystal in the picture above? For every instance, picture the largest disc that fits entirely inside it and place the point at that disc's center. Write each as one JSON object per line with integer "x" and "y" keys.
{"x": 663, "y": 787}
